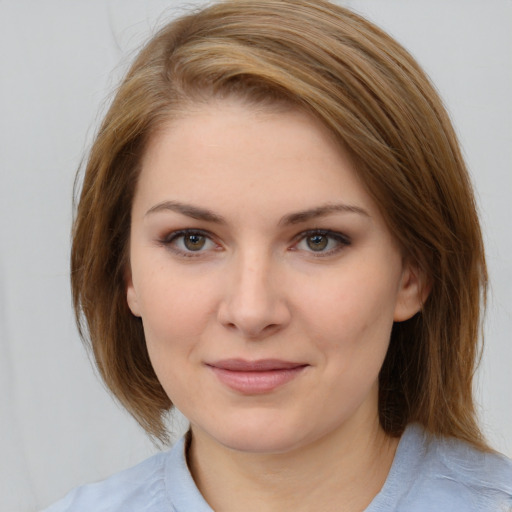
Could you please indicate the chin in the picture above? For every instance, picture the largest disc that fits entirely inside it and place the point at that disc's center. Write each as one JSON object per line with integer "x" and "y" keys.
{"x": 259, "y": 436}
{"x": 266, "y": 443}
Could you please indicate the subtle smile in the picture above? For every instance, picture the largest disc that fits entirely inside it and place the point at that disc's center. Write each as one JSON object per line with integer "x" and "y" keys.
{"x": 256, "y": 377}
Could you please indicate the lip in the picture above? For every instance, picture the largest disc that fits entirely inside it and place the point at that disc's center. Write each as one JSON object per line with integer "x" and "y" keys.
{"x": 256, "y": 377}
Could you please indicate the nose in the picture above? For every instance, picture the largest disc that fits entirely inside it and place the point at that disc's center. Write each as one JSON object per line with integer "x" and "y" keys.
{"x": 254, "y": 302}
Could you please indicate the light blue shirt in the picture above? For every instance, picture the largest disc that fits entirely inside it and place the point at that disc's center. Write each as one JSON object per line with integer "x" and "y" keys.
{"x": 427, "y": 475}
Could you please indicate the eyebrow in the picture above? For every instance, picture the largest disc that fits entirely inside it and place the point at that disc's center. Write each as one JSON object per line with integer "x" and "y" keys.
{"x": 189, "y": 210}
{"x": 204, "y": 214}
{"x": 321, "y": 211}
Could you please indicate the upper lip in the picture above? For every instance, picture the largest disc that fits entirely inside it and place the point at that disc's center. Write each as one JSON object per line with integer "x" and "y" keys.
{"x": 261, "y": 365}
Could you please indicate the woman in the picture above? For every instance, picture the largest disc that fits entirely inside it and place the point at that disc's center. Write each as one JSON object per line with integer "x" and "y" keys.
{"x": 277, "y": 234}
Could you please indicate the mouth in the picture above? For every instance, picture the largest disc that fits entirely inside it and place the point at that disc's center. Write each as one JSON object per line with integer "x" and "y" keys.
{"x": 256, "y": 377}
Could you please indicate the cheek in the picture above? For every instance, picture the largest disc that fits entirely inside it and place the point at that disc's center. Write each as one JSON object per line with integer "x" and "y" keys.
{"x": 173, "y": 299}
{"x": 172, "y": 315}
{"x": 175, "y": 317}
{"x": 175, "y": 312}
{"x": 351, "y": 312}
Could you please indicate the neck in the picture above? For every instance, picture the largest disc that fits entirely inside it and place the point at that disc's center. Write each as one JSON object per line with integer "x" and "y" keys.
{"x": 348, "y": 466}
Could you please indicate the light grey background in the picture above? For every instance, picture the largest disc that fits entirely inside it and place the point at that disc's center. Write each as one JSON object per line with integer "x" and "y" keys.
{"x": 58, "y": 62}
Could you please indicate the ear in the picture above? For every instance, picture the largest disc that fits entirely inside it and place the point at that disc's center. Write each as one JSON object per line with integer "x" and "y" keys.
{"x": 131, "y": 294}
{"x": 414, "y": 291}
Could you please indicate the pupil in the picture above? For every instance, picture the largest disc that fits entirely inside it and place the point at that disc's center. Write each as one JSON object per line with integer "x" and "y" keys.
{"x": 317, "y": 242}
{"x": 194, "y": 242}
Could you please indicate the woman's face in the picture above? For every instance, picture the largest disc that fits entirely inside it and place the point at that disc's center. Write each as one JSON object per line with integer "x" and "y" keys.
{"x": 265, "y": 277}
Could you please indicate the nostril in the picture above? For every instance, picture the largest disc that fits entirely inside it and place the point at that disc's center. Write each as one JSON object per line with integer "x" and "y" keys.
{"x": 253, "y": 309}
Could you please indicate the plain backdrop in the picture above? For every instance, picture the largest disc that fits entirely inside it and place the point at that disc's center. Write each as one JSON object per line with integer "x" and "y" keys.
{"x": 59, "y": 61}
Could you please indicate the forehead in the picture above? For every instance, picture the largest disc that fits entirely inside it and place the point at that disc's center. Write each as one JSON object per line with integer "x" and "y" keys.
{"x": 227, "y": 150}
{"x": 233, "y": 158}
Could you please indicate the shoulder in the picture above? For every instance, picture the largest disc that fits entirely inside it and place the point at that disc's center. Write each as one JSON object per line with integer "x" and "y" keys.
{"x": 162, "y": 482}
{"x": 140, "y": 488}
{"x": 450, "y": 474}
{"x": 486, "y": 478}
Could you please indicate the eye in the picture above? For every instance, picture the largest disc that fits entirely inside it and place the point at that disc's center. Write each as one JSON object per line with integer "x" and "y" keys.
{"x": 322, "y": 242}
{"x": 194, "y": 241}
{"x": 187, "y": 242}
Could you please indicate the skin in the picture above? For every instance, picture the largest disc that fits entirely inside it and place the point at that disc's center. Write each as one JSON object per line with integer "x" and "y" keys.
{"x": 256, "y": 281}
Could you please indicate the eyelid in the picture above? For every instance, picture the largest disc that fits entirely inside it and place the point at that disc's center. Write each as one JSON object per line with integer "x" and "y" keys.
{"x": 320, "y": 231}
{"x": 342, "y": 240}
{"x": 167, "y": 241}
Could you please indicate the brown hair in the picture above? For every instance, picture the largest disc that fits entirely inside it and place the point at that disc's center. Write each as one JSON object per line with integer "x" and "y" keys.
{"x": 380, "y": 105}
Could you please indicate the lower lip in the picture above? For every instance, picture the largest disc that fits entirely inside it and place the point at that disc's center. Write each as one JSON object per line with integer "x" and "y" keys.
{"x": 256, "y": 382}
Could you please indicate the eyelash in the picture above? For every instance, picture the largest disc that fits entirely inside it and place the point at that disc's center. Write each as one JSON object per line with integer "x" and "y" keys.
{"x": 170, "y": 241}
{"x": 341, "y": 240}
